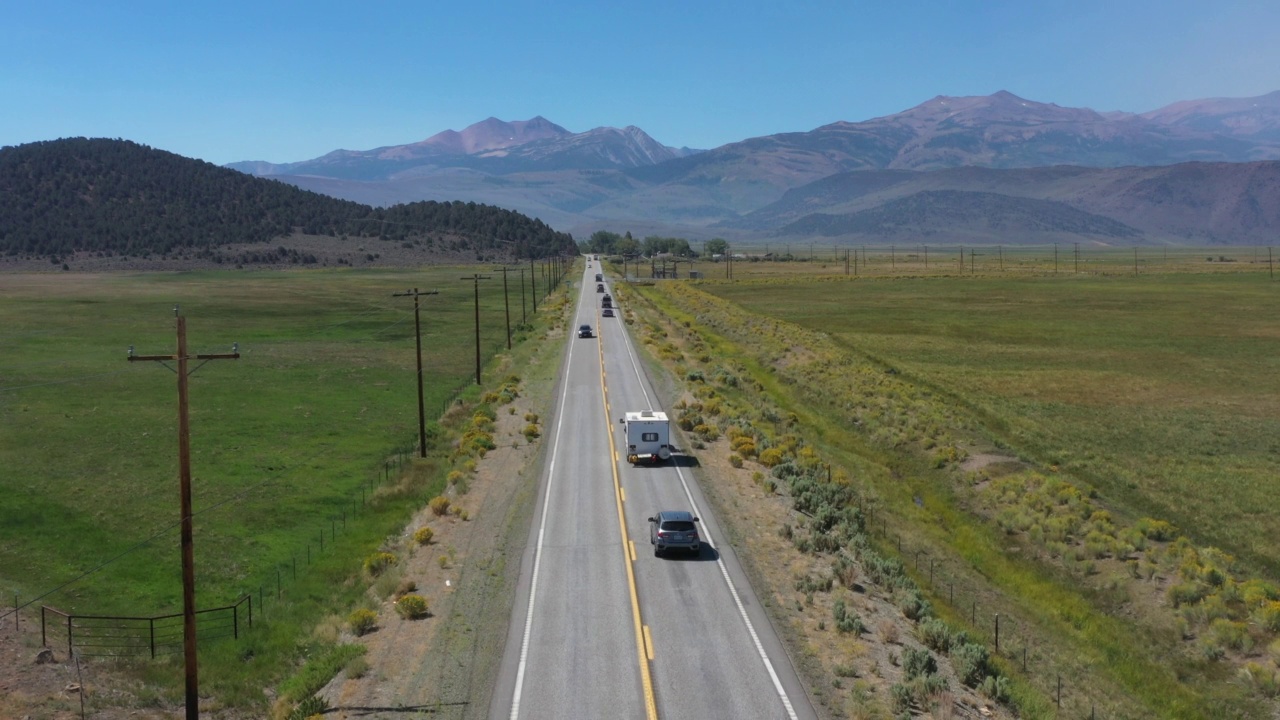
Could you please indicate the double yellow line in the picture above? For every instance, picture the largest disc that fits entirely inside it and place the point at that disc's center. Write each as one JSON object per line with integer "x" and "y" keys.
{"x": 644, "y": 643}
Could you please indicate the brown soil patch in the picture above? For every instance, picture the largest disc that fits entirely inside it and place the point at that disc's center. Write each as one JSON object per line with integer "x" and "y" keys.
{"x": 51, "y": 688}
{"x": 982, "y": 461}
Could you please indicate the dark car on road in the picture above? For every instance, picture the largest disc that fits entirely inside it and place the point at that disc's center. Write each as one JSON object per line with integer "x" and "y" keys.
{"x": 673, "y": 530}
{"x": 607, "y": 312}
{"x": 584, "y": 331}
{"x": 599, "y": 287}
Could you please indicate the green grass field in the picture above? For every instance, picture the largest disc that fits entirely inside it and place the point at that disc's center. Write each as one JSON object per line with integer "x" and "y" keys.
{"x": 1152, "y": 396}
{"x": 765, "y": 260}
{"x": 1161, "y": 391}
{"x": 282, "y": 439}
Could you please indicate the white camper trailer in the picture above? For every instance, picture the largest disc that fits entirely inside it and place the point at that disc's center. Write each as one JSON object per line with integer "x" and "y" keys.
{"x": 648, "y": 436}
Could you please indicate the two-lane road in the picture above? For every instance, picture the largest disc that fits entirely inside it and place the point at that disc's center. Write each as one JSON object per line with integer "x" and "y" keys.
{"x": 601, "y": 627}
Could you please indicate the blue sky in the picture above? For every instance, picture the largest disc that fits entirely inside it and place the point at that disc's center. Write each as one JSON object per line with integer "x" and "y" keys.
{"x": 286, "y": 81}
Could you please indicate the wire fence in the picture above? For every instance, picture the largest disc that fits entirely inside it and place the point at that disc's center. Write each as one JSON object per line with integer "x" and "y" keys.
{"x": 921, "y": 259}
{"x": 119, "y": 636}
{"x": 1005, "y": 636}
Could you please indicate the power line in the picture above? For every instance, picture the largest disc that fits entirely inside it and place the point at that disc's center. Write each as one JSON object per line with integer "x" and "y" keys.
{"x": 13, "y": 388}
{"x": 94, "y": 569}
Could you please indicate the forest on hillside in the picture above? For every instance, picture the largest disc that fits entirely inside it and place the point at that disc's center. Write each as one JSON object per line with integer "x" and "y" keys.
{"x": 119, "y": 197}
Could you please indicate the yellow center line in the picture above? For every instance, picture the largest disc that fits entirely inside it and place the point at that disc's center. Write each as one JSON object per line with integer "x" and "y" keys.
{"x": 643, "y": 650}
{"x": 648, "y": 642}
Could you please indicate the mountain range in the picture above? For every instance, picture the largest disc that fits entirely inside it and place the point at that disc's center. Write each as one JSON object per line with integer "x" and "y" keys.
{"x": 624, "y": 179}
{"x": 491, "y": 146}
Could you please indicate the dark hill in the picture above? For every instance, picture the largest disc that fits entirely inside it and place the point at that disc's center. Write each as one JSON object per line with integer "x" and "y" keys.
{"x": 119, "y": 197}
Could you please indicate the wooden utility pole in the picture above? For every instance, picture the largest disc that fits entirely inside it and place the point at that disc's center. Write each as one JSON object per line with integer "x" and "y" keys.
{"x": 506, "y": 304}
{"x": 417, "y": 337}
{"x": 523, "y": 319}
{"x": 184, "y": 481}
{"x": 476, "y": 278}
{"x": 533, "y": 282}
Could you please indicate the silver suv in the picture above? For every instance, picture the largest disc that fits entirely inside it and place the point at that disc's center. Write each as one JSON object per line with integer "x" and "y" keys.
{"x": 673, "y": 529}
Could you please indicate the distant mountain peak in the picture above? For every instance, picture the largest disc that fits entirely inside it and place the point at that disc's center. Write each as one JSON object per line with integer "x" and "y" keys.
{"x": 1255, "y": 118}
{"x": 999, "y": 107}
{"x": 492, "y": 134}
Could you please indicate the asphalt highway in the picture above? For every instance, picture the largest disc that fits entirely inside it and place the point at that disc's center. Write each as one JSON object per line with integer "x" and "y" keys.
{"x": 601, "y": 627}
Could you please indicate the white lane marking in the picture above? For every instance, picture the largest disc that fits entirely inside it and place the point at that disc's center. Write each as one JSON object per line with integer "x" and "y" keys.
{"x": 724, "y": 571}
{"x": 537, "y": 551}
{"x": 742, "y": 610}
{"x": 631, "y": 355}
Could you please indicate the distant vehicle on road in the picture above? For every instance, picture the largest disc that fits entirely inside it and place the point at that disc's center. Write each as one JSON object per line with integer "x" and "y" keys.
{"x": 599, "y": 277}
{"x": 584, "y": 331}
{"x": 673, "y": 530}
{"x": 599, "y": 287}
{"x": 607, "y": 312}
{"x": 606, "y": 301}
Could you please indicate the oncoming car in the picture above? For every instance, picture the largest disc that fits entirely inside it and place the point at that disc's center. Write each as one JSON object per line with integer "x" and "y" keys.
{"x": 584, "y": 331}
{"x": 673, "y": 530}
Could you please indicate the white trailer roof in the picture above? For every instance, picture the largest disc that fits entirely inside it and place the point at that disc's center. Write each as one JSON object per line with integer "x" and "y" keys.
{"x": 647, "y": 415}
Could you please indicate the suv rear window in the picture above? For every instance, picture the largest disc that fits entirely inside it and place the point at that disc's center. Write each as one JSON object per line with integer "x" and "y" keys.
{"x": 677, "y": 526}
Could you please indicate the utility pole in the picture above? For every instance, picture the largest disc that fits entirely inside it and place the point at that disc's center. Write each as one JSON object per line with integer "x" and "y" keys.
{"x": 926, "y": 257}
{"x": 523, "y": 319}
{"x": 417, "y": 337}
{"x": 184, "y": 478}
{"x": 533, "y": 281}
{"x": 1077, "y": 258}
{"x": 475, "y": 279}
{"x": 506, "y": 304}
